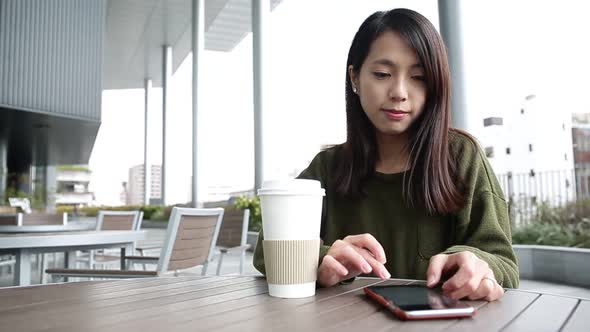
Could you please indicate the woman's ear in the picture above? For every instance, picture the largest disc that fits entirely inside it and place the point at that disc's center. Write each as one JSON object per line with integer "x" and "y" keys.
{"x": 353, "y": 78}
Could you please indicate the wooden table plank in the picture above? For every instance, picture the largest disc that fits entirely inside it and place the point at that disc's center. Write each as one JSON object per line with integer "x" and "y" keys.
{"x": 254, "y": 314}
{"x": 79, "y": 313}
{"x": 308, "y": 316}
{"x": 546, "y": 313}
{"x": 175, "y": 313}
{"x": 579, "y": 320}
{"x": 495, "y": 315}
{"x": 30, "y": 295}
{"x": 78, "y": 292}
{"x": 242, "y": 304}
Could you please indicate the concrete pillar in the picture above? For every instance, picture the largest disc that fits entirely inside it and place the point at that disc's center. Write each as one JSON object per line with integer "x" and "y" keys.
{"x": 147, "y": 183}
{"x": 166, "y": 76}
{"x": 198, "y": 49}
{"x": 450, "y": 20}
{"x": 50, "y": 187}
{"x": 260, "y": 12}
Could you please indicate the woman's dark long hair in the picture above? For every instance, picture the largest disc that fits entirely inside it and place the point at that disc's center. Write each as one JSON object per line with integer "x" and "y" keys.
{"x": 430, "y": 181}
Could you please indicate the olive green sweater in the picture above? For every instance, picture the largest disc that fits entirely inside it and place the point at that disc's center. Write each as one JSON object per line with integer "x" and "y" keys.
{"x": 410, "y": 236}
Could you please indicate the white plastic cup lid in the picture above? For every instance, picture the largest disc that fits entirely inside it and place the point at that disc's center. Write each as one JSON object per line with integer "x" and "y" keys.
{"x": 292, "y": 187}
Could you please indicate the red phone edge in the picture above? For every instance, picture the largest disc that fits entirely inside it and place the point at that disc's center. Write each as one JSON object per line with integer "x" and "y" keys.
{"x": 403, "y": 314}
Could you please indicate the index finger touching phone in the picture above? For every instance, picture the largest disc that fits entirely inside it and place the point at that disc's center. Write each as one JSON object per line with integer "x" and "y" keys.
{"x": 368, "y": 242}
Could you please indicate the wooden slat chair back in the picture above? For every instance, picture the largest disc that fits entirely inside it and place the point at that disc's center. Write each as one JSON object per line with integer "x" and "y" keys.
{"x": 9, "y": 219}
{"x": 7, "y": 210}
{"x": 20, "y": 219}
{"x": 117, "y": 220}
{"x": 43, "y": 219}
{"x": 191, "y": 238}
{"x": 233, "y": 236}
{"x": 193, "y": 241}
{"x": 231, "y": 231}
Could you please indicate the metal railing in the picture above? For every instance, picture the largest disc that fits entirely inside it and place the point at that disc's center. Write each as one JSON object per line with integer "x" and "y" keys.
{"x": 525, "y": 192}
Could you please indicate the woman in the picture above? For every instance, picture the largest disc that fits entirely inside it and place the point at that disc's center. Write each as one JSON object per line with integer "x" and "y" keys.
{"x": 406, "y": 196}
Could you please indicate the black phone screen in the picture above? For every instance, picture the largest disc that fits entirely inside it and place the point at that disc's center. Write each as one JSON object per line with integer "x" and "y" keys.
{"x": 411, "y": 298}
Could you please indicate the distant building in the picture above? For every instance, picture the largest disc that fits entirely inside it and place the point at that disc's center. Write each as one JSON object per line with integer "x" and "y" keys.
{"x": 534, "y": 138}
{"x": 530, "y": 149}
{"x": 135, "y": 186}
{"x": 72, "y": 185}
{"x": 123, "y": 193}
{"x": 581, "y": 151}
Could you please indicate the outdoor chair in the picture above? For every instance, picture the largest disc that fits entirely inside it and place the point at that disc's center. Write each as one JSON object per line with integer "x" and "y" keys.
{"x": 7, "y": 210}
{"x": 8, "y": 217}
{"x": 190, "y": 241}
{"x": 233, "y": 236}
{"x": 112, "y": 221}
{"x": 20, "y": 219}
{"x": 42, "y": 219}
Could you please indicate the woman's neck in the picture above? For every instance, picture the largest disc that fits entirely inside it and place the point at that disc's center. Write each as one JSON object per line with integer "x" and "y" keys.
{"x": 393, "y": 153}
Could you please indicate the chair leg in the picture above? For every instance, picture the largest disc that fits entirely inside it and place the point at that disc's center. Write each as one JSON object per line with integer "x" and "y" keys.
{"x": 91, "y": 262}
{"x": 39, "y": 258}
{"x": 204, "y": 270}
{"x": 42, "y": 275}
{"x": 242, "y": 260}
{"x": 219, "y": 264}
{"x": 141, "y": 254}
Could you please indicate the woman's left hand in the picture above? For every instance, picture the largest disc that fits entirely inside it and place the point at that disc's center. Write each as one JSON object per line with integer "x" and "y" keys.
{"x": 472, "y": 278}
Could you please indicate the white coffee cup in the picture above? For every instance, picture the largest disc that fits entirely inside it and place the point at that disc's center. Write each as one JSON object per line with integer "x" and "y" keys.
{"x": 291, "y": 219}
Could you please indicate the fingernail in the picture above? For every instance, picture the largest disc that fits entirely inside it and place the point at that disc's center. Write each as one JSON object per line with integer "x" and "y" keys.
{"x": 431, "y": 280}
{"x": 367, "y": 268}
{"x": 386, "y": 274}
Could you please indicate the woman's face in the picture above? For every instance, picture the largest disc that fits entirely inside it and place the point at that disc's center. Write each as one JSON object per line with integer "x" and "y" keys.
{"x": 390, "y": 84}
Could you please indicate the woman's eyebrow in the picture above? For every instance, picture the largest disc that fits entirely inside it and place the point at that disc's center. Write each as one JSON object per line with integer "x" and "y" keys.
{"x": 390, "y": 63}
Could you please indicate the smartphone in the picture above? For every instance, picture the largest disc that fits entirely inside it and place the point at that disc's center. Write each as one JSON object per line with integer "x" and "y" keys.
{"x": 412, "y": 302}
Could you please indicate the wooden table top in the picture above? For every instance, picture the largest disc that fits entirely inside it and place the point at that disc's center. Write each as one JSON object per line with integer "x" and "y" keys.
{"x": 243, "y": 304}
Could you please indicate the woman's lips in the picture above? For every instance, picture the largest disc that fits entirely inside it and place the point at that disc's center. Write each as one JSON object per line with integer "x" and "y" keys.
{"x": 394, "y": 114}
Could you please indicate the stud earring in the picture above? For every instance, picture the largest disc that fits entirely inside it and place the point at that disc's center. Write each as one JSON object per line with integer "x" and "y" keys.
{"x": 354, "y": 89}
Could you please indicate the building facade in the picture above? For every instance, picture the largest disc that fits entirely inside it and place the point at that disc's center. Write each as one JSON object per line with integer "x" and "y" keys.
{"x": 135, "y": 186}
{"x": 72, "y": 186}
{"x": 50, "y": 90}
{"x": 530, "y": 149}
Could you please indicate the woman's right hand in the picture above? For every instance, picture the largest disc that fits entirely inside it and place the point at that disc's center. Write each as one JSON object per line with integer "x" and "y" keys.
{"x": 351, "y": 256}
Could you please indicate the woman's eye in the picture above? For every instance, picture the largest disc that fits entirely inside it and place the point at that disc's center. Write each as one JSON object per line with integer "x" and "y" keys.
{"x": 381, "y": 74}
{"x": 419, "y": 78}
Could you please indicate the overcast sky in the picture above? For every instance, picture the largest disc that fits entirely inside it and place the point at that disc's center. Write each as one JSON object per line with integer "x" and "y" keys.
{"x": 512, "y": 49}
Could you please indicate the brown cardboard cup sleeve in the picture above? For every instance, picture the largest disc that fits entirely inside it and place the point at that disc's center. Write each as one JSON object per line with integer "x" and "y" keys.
{"x": 289, "y": 262}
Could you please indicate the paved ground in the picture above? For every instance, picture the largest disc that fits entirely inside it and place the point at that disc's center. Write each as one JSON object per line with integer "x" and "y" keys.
{"x": 231, "y": 266}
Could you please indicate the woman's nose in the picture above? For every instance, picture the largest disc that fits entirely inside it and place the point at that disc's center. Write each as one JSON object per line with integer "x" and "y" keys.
{"x": 398, "y": 90}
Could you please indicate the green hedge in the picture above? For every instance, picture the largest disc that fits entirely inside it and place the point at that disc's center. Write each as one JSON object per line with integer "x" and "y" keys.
{"x": 73, "y": 168}
{"x": 566, "y": 226}
{"x": 150, "y": 212}
{"x": 574, "y": 235}
{"x": 253, "y": 204}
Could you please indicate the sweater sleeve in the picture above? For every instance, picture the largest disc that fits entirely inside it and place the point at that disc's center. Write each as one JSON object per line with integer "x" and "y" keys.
{"x": 482, "y": 226}
{"x": 315, "y": 171}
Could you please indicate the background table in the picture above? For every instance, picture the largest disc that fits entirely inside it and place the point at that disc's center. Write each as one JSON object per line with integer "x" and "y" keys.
{"x": 24, "y": 246}
{"x": 71, "y": 227}
{"x": 242, "y": 304}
